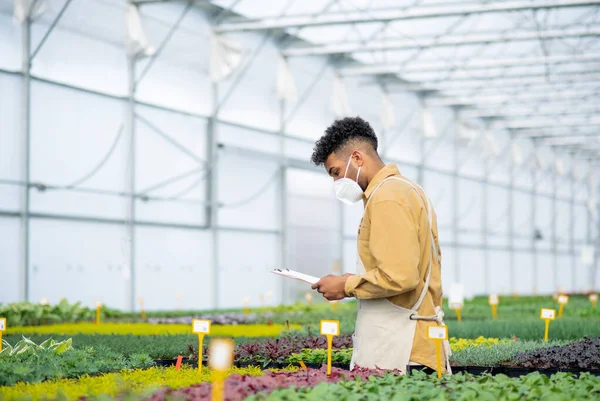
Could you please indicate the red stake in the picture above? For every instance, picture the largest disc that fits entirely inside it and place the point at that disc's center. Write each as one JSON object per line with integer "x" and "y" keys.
{"x": 178, "y": 364}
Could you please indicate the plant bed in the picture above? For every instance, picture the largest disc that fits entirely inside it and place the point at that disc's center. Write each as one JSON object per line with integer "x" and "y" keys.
{"x": 581, "y": 356}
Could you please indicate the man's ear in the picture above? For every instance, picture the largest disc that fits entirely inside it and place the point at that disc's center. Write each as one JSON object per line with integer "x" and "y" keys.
{"x": 358, "y": 157}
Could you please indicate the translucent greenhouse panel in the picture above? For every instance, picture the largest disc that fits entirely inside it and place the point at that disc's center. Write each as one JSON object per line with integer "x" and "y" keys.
{"x": 543, "y": 222}
{"x": 299, "y": 149}
{"x": 499, "y": 274}
{"x": 448, "y": 268}
{"x": 471, "y": 271}
{"x": 179, "y": 77}
{"x": 86, "y": 49}
{"x": 439, "y": 188}
{"x": 249, "y": 139}
{"x": 408, "y": 171}
{"x": 583, "y": 277}
{"x": 365, "y": 101}
{"x": 9, "y": 267}
{"x": 252, "y": 99}
{"x": 10, "y": 141}
{"x": 498, "y": 215}
{"x": 469, "y": 211}
{"x": 563, "y": 225}
{"x": 93, "y": 257}
{"x": 248, "y": 191}
{"x": 583, "y": 224}
{"x": 68, "y": 144}
{"x": 173, "y": 268}
{"x": 522, "y": 222}
{"x": 439, "y": 151}
{"x": 309, "y": 118}
{"x": 245, "y": 262}
{"x": 10, "y": 43}
{"x": 404, "y": 145}
{"x": 545, "y": 273}
{"x": 350, "y": 256}
{"x": 565, "y": 273}
{"x": 525, "y": 274}
{"x": 470, "y": 161}
{"x": 179, "y": 150}
{"x": 353, "y": 215}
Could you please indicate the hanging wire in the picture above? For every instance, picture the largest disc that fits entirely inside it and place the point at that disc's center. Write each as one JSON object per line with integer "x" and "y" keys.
{"x": 255, "y": 195}
{"x": 98, "y": 167}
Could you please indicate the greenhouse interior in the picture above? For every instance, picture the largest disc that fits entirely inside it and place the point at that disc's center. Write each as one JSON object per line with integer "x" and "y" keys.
{"x": 161, "y": 159}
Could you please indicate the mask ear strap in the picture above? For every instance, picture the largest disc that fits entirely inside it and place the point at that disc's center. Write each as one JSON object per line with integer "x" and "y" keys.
{"x": 348, "y": 165}
{"x": 358, "y": 173}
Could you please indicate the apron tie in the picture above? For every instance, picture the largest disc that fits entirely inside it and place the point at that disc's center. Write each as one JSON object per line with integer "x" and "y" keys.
{"x": 439, "y": 319}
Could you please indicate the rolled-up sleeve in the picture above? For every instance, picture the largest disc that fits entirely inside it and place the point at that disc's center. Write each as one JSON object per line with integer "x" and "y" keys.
{"x": 394, "y": 245}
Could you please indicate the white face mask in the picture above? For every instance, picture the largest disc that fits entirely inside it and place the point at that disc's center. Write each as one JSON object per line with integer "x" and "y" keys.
{"x": 347, "y": 190}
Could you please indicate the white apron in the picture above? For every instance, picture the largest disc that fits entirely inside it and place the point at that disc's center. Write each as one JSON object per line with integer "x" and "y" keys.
{"x": 385, "y": 332}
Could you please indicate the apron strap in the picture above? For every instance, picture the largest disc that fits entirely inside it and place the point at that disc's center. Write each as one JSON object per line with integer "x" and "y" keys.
{"x": 434, "y": 251}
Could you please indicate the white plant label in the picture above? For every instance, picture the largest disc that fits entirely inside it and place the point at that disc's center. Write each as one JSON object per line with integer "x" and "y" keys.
{"x": 330, "y": 327}
{"x": 221, "y": 355}
{"x": 548, "y": 314}
{"x": 2, "y": 324}
{"x": 201, "y": 326}
{"x": 594, "y": 297}
{"x": 493, "y": 300}
{"x": 563, "y": 299}
{"x": 437, "y": 332}
{"x": 456, "y": 305}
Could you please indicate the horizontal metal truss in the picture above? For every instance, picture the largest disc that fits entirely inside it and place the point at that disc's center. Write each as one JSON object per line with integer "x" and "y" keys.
{"x": 394, "y": 14}
{"x": 475, "y": 64}
{"x": 432, "y": 42}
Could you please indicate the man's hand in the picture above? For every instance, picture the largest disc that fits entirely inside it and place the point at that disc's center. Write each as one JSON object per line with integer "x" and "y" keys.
{"x": 332, "y": 287}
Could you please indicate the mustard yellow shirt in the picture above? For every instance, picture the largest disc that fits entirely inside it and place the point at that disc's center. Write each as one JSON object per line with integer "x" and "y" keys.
{"x": 394, "y": 244}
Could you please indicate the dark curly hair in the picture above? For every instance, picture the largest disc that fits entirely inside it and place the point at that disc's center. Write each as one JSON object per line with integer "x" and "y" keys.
{"x": 339, "y": 134}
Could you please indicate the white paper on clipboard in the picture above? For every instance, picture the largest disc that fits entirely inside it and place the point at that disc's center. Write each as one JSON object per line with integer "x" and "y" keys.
{"x": 296, "y": 275}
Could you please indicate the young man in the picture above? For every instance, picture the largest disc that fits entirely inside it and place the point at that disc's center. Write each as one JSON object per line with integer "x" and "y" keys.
{"x": 398, "y": 278}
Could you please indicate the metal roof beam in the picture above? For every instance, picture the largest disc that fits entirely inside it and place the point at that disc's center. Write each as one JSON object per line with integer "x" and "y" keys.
{"x": 544, "y": 124}
{"x": 394, "y": 14}
{"x": 509, "y": 99}
{"x": 484, "y": 90}
{"x": 391, "y": 82}
{"x": 555, "y": 132}
{"x": 571, "y": 140}
{"x": 573, "y": 79}
{"x": 436, "y": 41}
{"x": 504, "y": 113}
{"x": 476, "y": 64}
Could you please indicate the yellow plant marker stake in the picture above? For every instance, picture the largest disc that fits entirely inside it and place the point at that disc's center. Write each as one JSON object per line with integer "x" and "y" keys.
{"x": 303, "y": 365}
{"x": 220, "y": 359}
{"x": 246, "y": 306}
{"x": 202, "y": 328}
{"x": 457, "y": 307}
{"x": 547, "y": 315}
{"x": 594, "y": 300}
{"x": 98, "y": 309}
{"x": 334, "y": 306}
{"x": 309, "y": 298}
{"x": 330, "y": 328}
{"x": 562, "y": 300}
{"x": 141, "y": 302}
{"x": 494, "y": 301}
{"x": 2, "y": 328}
{"x": 438, "y": 334}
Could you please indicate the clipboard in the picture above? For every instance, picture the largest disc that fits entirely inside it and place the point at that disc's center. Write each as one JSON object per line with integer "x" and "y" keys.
{"x": 296, "y": 275}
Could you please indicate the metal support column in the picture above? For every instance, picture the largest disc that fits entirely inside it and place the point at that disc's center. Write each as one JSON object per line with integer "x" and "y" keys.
{"x": 131, "y": 62}
{"x": 554, "y": 232}
{"x": 572, "y": 229}
{"x": 511, "y": 222}
{"x": 484, "y": 224}
{"x": 25, "y": 149}
{"x": 590, "y": 220}
{"x": 534, "y": 254}
{"x": 283, "y": 201}
{"x": 421, "y": 166}
{"x": 212, "y": 205}
{"x": 455, "y": 195}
